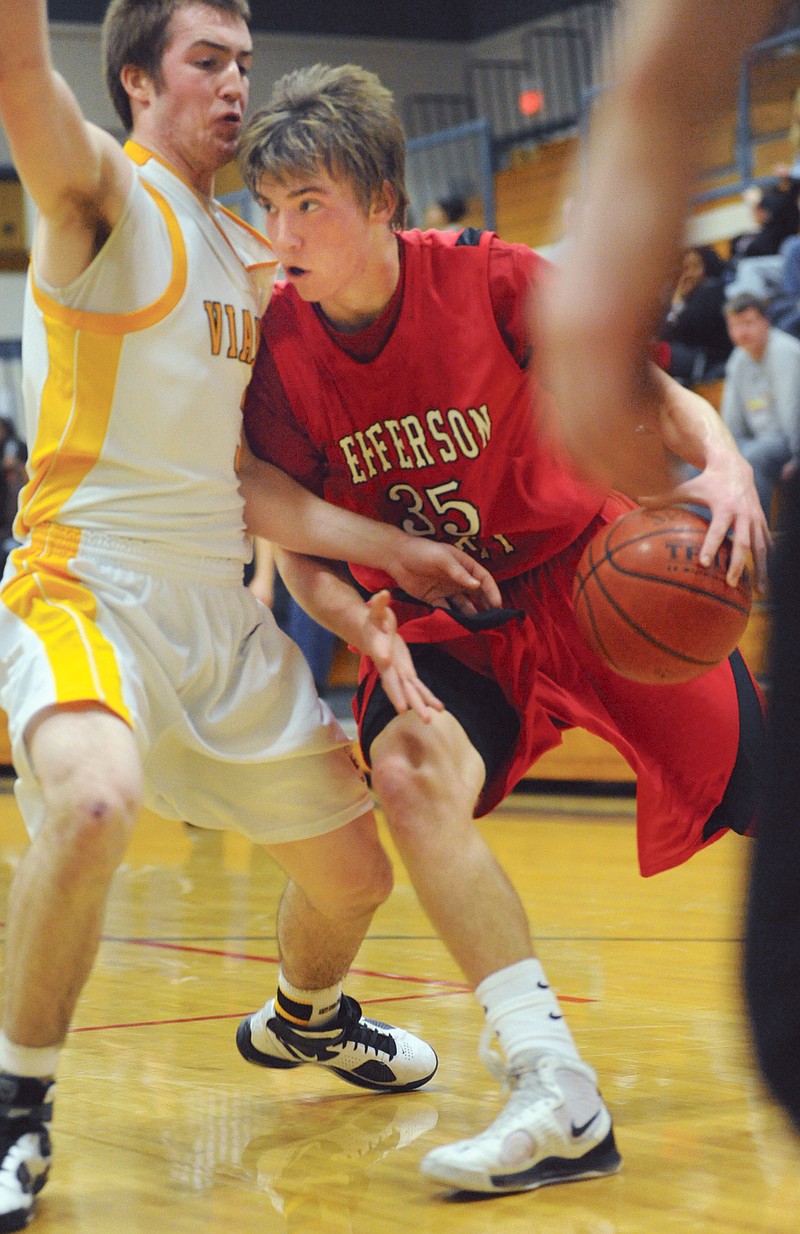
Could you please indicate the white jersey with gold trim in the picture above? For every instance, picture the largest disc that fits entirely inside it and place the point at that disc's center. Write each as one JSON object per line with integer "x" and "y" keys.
{"x": 127, "y": 591}
{"x": 119, "y": 440}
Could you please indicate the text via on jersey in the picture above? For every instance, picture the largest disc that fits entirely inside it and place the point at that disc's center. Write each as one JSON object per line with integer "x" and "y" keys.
{"x": 233, "y": 333}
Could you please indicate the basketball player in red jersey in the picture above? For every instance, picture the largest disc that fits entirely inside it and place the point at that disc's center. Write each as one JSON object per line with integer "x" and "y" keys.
{"x": 648, "y": 138}
{"x": 394, "y": 379}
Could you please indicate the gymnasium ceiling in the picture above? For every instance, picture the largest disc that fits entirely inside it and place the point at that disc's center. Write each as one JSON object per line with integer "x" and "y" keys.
{"x": 458, "y": 21}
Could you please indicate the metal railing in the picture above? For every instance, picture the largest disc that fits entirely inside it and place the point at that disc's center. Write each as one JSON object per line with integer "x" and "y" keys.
{"x": 557, "y": 60}
{"x": 454, "y": 162}
{"x": 562, "y": 62}
{"x": 739, "y": 172}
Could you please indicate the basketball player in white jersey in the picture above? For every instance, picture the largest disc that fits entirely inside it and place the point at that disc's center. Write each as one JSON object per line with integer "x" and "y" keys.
{"x": 135, "y": 666}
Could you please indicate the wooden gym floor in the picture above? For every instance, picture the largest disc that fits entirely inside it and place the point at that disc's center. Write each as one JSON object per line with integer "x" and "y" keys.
{"x": 160, "y": 1124}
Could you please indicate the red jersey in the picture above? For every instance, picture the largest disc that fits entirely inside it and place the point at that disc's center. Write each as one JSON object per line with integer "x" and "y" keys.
{"x": 425, "y": 420}
{"x": 437, "y": 431}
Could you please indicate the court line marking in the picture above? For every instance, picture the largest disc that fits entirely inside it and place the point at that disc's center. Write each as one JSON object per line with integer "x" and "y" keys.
{"x": 460, "y": 987}
{"x": 443, "y": 986}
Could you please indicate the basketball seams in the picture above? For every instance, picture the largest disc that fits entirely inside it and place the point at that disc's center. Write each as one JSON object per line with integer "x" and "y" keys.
{"x": 655, "y": 538}
{"x": 631, "y": 624}
{"x": 673, "y": 584}
{"x": 714, "y": 597}
{"x": 645, "y": 604}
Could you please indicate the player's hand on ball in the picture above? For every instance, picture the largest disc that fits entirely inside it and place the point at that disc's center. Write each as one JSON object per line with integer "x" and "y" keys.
{"x": 647, "y": 604}
{"x": 726, "y": 488}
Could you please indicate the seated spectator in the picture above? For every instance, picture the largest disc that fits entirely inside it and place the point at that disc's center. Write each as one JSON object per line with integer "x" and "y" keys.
{"x": 758, "y": 259}
{"x": 784, "y": 306}
{"x": 777, "y": 216}
{"x": 694, "y": 328}
{"x": 446, "y": 214}
{"x": 761, "y": 395}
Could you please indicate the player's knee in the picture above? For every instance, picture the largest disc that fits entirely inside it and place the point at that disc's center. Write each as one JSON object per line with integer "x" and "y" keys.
{"x": 416, "y": 785}
{"x": 367, "y": 882}
{"x": 403, "y": 776}
{"x": 357, "y": 889}
{"x": 356, "y": 876}
{"x": 88, "y": 826}
{"x": 367, "y": 896}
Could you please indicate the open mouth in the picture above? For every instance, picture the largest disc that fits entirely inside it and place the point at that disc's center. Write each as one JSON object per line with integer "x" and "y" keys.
{"x": 295, "y": 271}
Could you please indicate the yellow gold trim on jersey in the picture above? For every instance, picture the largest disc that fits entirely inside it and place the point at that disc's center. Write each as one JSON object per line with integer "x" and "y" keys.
{"x": 253, "y": 232}
{"x": 76, "y": 404}
{"x": 139, "y": 319}
{"x": 61, "y": 612}
{"x": 140, "y": 155}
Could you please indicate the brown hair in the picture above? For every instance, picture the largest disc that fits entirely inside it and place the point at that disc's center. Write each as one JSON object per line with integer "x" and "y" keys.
{"x": 137, "y": 32}
{"x": 744, "y": 301}
{"x": 342, "y": 119}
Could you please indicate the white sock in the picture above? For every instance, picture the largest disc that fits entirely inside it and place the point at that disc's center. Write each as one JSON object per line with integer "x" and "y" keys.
{"x": 39, "y": 1062}
{"x": 307, "y": 1008}
{"x": 524, "y": 1012}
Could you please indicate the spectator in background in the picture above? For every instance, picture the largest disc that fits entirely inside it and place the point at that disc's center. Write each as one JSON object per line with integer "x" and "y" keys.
{"x": 777, "y": 217}
{"x": 784, "y": 305}
{"x": 792, "y": 171}
{"x": 694, "y": 327}
{"x": 761, "y": 396}
{"x": 758, "y": 259}
{"x": 446, "y": 214}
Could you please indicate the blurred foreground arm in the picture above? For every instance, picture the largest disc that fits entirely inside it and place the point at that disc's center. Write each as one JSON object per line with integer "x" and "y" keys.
{"x": 679, "y": 65}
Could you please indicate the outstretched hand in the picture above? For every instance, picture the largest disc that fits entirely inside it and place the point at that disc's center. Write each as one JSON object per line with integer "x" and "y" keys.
{"x": 441, "y": 574}
{"x": 389, "y": 653}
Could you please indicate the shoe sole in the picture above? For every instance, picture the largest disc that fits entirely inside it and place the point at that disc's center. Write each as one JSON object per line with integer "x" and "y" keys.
{"x": 21, "y": 1218}
{"x": 244, "y": 1044}
{"x": 601, "y": 1160}
{"x": 11, "y": 1222}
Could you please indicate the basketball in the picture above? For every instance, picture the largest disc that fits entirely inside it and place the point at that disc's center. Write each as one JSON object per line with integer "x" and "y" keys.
{"x": 648, "y": 607}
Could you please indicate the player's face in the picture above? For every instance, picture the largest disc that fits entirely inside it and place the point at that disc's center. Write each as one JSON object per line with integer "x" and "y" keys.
{"x": 195, "y": 112}
{"x": 749, "y": 330}
{"x": 328, "y": 244}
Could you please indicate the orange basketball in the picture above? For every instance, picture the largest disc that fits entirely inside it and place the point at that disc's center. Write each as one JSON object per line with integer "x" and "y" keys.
{"x": 647, "y": 606}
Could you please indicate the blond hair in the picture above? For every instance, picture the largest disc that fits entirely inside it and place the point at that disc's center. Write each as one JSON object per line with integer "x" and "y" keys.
{"x": 341, "y": 119}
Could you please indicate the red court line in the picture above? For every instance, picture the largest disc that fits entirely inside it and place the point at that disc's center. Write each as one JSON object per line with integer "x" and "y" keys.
{"x": 271, "y": 959}
{"x": 458, "y": 986}
{"x": 238, "y": 1015}
{"x": 442, "y": 987}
